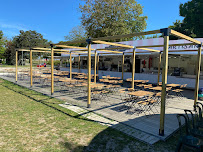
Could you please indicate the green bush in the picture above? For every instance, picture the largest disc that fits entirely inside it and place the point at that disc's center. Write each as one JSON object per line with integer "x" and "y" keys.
{"x": 57, "y": 62}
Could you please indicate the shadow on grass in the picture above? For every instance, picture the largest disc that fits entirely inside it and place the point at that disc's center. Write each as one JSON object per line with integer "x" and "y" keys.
{"x": 42, "y": 101}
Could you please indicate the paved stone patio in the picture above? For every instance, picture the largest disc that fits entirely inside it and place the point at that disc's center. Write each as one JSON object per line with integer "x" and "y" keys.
{"x": 109, "y": 112}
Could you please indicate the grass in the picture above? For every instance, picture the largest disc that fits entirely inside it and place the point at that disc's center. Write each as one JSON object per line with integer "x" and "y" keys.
{"x": 31, "y": 121}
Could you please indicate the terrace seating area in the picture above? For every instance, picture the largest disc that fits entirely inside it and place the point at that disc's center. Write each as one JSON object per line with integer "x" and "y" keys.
{"x": 112, "y": 97}
{"x": 143, "y": 99}
{"x": 150, "y": 108}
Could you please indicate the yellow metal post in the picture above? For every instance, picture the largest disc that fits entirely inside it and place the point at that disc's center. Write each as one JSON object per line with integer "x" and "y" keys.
{"x": 159, "y": 68}
{"x": 123, "y": 65}
{"x": 70, "y": 66}
{"x": 79, "y": 62}
{"x": 197, "y": 74}
{"x": 30, "y": 67}
{"x": 52, "y": 70}
{"x": 89, "y": 74}
{"x": 133, "y": 69}
{"x": 95, "y": 67}
{"x": 164, "y": 82}
{"x": 16, "y": 65}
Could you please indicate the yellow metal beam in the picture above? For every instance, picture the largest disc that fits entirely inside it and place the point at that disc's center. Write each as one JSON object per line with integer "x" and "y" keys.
{"x": 113, "y": 37}
{"x": 70, "y": 66}
{"x": 198, "y": 67}
{"x": 178, "y": 34}
{"x": 16, "y": 65}
{"x": 147, "y": 49}
{"x": 89, "y": 77}
{"x": 164, "y": 82}
{"x": 123, "y": 60}
{"x": 72, "y": 47}
{"x": 95, "y": 67}
{"x": 79, "y": 62}
{"x": 159, "y": 67}
{"x": 48, "y": 49}
{"x": 133, "y": 69}
{"x": 41, "y": 51}
{"x": 30, "y": 68}
{"x": 180, "y": 44}
{"x": 115, "y": 44}
{"x": 110, "y": 51}
{"x": 52, "y": 70}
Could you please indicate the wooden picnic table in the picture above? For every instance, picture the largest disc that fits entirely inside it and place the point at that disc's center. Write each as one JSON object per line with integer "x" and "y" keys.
{"x": 140, "y": 93}
{"x": 114, "y": 78}
{"x": 137, "y": 81}
{"x": 159, "y": 88}
{"x": 172, "y": 85}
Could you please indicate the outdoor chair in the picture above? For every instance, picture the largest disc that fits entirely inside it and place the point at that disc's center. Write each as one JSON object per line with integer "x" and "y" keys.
{"x": 192, "y": 128}
{"x": 139, "y": 105}
{"x": 148, "y": 106}
{"x": 187, "y": 139}
{"x": 178, "y": 93}
{"x": 199, "y": 120}
{"x": 69, "y": 88}
{"x": 126, "y": 98}
{"x": 95, "y": 95}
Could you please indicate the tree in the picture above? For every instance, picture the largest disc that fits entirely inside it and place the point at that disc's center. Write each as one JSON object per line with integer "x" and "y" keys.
{"x": 76, "y": 33}
{"x": 29, "y": 39}
{"x": 10, "y": 52}
{"x": 192, "y": 24}
{"x": 2, "y": 45}
{"x": 26, "y": 39}
{"x": 112, "y": 17}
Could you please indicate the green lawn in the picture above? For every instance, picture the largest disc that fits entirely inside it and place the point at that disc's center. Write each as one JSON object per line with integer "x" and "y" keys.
{"x": 31, "y": 121}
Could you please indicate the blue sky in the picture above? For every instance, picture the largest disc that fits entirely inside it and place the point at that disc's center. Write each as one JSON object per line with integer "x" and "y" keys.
{"x": 54, "y": 19}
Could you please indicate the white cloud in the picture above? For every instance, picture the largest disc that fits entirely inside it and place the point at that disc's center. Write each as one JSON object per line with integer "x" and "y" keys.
{"x": 13, "y": 26}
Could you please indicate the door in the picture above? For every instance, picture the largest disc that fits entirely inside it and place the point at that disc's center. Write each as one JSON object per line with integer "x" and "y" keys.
{"x": 137, "y": 65}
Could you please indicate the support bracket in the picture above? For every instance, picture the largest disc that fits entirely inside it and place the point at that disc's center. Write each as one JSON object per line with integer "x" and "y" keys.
{"x": 165, "y": 31}
{"x": 89, "y": 41}
{"x": 199, "y": 45}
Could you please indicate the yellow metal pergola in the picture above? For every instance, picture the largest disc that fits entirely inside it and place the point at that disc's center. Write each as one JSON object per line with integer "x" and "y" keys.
{"x": 166, "y": 32}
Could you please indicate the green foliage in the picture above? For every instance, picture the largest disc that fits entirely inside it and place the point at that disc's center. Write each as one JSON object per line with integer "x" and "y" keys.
{"x": 192, "y": 24}
{"x": 152, "y": 36}
{"x": 10, "y": 52}
{"x": 76, "y": 33}
{"x": 2, "y": 45}
{"x": 112, "y": 17}
{"x": 29, "y": 39}
{"x": 56, "y": 62}
{"x": 26, "y": 39}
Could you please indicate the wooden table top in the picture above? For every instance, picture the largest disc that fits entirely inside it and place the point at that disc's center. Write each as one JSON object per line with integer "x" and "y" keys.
{"x": 140, "y": 93}
{"x": 137, "y": 81}
{"x": 172, "y": 85}
{"x": 159, "y": 88}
